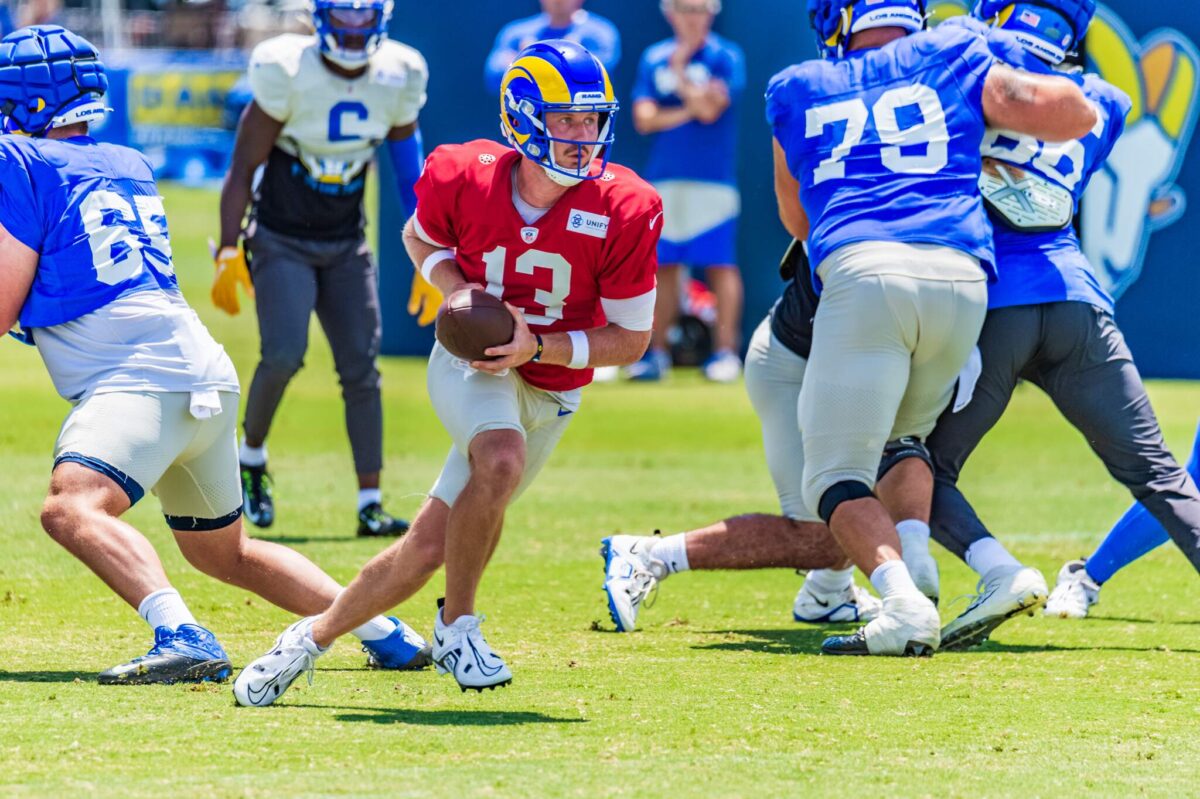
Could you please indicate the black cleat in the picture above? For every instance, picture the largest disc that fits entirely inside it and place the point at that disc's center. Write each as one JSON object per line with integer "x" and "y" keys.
{"x": 375, "y": 522}
{"x": 257, "y": 496}
{"x": 189, "y": 654}
{"x": 857, "y": 645}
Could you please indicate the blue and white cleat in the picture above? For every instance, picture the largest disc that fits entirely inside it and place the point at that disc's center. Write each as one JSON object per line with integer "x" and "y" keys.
{"x": 653, "y": 366}
{"x": 403, "y": 650}
{"x": 631, "y": 577}
{"x": 1074, "y": 594}
{"x": 268, "y": 677}
{"x": 188, "y": 654}
{"x": 838, "y": 607}
{"x": 1010, "y": 592}
{"x": 459, "y": 649}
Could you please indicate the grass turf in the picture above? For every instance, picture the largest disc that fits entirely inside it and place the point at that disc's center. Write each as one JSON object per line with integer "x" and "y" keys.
{"x": 719, "y": 695}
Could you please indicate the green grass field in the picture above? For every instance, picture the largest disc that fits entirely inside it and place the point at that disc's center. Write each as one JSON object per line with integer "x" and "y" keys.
{"x": 719, "y": 695}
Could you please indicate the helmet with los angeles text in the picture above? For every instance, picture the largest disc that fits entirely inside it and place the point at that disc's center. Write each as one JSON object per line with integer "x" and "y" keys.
{"x": 49, "y": 78}
{"x": 1047, "y": 28}
{"x": 835, "y": 21}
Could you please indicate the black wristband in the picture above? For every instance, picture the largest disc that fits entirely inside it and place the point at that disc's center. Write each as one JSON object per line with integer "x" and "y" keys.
{"x": 537, "y": 356}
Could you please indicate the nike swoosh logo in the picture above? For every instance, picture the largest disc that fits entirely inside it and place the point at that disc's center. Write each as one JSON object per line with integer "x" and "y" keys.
{"x": 487, "y": 671}
{"x": 819, "y": 602}
{"x": 564, "y": 412}
{"x": 257, "y": 695}
{"x": 654, "y": 221}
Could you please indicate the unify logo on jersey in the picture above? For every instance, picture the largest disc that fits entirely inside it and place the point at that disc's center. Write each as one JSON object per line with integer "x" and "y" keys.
{"x": 588, "y": 224}
{"x": 529, "y": 234}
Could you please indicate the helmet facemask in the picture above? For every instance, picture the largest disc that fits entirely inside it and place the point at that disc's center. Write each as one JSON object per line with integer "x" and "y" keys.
{"x": 350, "y": 31}
{"x": 529, "y": 115}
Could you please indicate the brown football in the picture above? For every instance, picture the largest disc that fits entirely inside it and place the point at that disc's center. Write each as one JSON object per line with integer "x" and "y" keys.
{"x": 471, "y": 321}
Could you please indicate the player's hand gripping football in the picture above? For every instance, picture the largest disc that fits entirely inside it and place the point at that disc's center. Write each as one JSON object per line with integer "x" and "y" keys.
{"x": 513, "y": 354}
{"x": 230, "y": 263}
{"x": 423, "y": 300}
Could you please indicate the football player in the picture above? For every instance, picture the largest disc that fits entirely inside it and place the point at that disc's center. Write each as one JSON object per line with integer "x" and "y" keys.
{"x": 86, "y": 268}
{"x": 686, "y": 96}
{"x": 880, "y": 142}
{"x": 560, "y": 19}
{"x": 1135, "y": 534}
{"x": 775, "y": 363}
{"x": 1049, "y": 322}
{"x": 568, "y": 241}
{"x": 322, "y": 106}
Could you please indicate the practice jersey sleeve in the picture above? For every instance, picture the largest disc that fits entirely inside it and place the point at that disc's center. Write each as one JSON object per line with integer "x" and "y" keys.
{"x": 969, "y": 58}
{"x": 411, "y": 96}
{"x": 437, "y": 193}
{"x": 731, "y": 68}
{"x": 270, "y": 83}
{"x": 18, "y": 207}
{"x": 631, "y": 262}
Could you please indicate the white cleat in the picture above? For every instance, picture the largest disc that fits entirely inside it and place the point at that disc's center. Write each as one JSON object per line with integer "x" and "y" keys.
{"x": 1012, "y": 591}
{"x": 268, "y": 677}
{"x": 906, "y": 625}
{"x": 853, "y": 604}
{"x": 921, "y": 565}
{"x": 1074, "y": 593}
{"x": 631, "y": 577}
{"x": 459, "y": 649}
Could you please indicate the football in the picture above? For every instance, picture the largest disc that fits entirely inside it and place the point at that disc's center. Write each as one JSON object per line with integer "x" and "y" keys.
{"x": 471, "y": 321}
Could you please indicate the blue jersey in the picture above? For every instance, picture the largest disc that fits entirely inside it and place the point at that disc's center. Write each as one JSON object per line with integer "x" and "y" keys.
{"x": 93, "y": 214}
{"x": 694, "y": 150}
{"x": 1037, "y": 268}
{"x": 885, "y": 143}
{"x": 593, "y": 31}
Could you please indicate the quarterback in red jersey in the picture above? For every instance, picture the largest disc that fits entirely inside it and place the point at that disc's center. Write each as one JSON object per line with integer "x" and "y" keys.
{"x": 568, "y": 241}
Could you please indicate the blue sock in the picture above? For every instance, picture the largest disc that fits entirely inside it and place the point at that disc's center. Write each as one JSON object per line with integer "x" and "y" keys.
{"x": 1135, "y": 534}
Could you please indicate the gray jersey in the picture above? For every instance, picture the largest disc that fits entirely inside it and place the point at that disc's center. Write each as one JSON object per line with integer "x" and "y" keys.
{"x": 147, "y": 341}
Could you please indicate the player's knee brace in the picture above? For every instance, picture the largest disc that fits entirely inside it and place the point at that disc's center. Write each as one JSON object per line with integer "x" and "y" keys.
{"x": 840, "y": 492}
{"x": 901, "y": 449}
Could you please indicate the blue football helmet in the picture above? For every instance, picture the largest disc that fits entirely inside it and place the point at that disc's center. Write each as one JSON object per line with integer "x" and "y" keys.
{"x": 349, "y": 31}
{"x": 49, "y": 78}
{"x": 1047, "y": 28}
{"x": 557, "y": 76}
{"x": 835, "y": 21}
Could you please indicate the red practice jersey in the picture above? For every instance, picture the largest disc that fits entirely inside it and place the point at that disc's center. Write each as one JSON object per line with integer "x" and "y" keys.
{"x": 599, "y": 240}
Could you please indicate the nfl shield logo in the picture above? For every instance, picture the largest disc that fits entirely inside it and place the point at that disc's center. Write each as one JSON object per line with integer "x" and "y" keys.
{"x": 529, "y": 234}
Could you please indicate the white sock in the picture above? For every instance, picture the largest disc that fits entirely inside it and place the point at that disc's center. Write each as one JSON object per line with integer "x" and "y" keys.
{"x": 913, "y": 530}
{"x": 368, "y": 495}
{"x": 377, "y": 628}
{"x": 672, "y": 550}
{"x": 165, "y": 608}
{"x": 987, "y": 554}
{"x": 252, "y": 456}
{"x": 891, "y": 578}
{"x": 830, "y": 581}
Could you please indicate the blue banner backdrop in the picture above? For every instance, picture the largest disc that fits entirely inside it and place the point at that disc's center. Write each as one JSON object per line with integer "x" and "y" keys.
{"x": 1136, "y": 217}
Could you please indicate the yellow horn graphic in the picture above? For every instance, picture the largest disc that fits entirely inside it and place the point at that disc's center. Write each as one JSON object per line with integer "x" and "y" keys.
{"x": 1170, "y": 78}
{"x": 1113, "y": 60}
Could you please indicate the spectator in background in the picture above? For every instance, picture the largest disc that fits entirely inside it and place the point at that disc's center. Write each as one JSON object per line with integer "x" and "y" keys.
{"x": 560, "y": 19}
{"x": 686, "y": 95}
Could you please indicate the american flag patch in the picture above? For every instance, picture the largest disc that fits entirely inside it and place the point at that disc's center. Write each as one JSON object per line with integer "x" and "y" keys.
{"x": 1030, "y": 18}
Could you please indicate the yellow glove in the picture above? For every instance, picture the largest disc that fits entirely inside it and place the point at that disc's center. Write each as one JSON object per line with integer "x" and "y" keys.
{"x": 231, "y": 270}
{"x": 424, "y": 300}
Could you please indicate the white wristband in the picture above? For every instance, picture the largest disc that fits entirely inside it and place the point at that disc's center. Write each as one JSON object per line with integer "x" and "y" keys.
{"x": 432, "y": 261}
{"x": 580, "y": 350}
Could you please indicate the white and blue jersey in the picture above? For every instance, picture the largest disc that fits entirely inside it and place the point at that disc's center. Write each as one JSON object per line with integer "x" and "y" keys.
{"x": 1037, "y": 268}
{"x": 93, "y": 213}
{"x": 105, "y": 309}
{"x": 593, "y": 31}
{"x": 885, "y": 143}
{"x": 694, "y": 150}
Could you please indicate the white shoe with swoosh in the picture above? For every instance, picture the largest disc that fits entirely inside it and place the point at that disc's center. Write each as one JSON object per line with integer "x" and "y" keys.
{"x": 459, "y": 649}
{"x": 268, "y": 677}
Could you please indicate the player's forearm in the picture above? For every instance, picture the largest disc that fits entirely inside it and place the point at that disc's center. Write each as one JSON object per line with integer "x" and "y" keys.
{"x": 436, "y": 264}
{"x": 235, "y": 196}
{"x": 649, "y": 117}
{"x": 611, "y": 345}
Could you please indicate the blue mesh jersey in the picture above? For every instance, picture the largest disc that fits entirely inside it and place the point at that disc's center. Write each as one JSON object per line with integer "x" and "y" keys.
{"x": 1037, "y": 268}
{"x": 593, "y": 31}
{"x": 93, "y": 213}
{"x": 885, "y": 143}
{"x": 694, "y": 150}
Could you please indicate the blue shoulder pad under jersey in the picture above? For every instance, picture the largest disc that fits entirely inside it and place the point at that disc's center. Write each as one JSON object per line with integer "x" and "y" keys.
{"x": 93, "y": 214}
{"x": 1036, "y": 268}
{"x": 885, "y": 143}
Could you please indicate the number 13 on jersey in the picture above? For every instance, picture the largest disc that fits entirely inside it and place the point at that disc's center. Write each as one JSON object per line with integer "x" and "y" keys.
{"x": 531, "y": 262}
